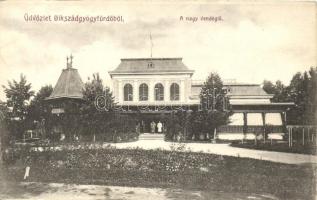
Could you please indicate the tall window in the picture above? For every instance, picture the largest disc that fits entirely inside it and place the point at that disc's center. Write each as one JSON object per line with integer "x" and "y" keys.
{"x": 254, "y": 119}
{"x": 143, "y": 92}
{"x": 128, "y": 92}
{"x": 174, "y": 92}
{"x": 273, "y": 119}
{"x": 159, "y": 92}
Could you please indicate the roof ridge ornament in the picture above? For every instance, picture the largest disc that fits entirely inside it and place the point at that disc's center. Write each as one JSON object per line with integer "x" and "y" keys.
{"x": 69, "y": 61}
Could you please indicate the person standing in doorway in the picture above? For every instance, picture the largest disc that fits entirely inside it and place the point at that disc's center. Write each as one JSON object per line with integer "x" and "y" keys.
{"x": 153, "y": 126}
{"x": 142, "y": 127}
{"x": 138, "y": 128}
{"x": 159, "y": 127}
{"x": 27, "y": 167}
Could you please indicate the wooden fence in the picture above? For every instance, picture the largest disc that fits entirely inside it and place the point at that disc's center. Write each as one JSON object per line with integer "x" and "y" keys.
{"x": 302, "y": 134}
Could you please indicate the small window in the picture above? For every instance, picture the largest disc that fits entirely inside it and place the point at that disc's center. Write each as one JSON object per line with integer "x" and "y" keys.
{"x": 226, "y": 90}
{"x": 150, "y": 65}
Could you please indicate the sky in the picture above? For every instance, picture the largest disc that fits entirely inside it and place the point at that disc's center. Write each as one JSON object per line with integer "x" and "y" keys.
{"x": 253, "y": 41}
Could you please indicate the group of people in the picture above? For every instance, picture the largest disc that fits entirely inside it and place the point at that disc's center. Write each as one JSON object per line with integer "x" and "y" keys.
{"x": 159, "y": 127}
{"x": 154, "y": 127}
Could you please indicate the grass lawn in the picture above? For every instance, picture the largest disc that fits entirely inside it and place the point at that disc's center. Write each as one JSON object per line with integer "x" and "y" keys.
{"x": 166, "y": 169}
{"x": 279, "y": 147}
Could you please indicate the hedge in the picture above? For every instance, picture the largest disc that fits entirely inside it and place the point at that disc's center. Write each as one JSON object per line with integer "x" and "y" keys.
{"x": 159, "y": 168}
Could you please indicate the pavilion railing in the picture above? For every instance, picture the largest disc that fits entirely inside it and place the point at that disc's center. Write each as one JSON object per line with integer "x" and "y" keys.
{"x": 302, "y": 134}
{"x": 230, "y": 129}
{"x": 255, "y": 129}
{"x": 277, "y": 129}
{"x": 250, "y": 129}
{"x": 294, "y": 134}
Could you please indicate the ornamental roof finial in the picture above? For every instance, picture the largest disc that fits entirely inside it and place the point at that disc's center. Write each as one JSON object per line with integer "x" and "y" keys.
{"x": 69, "y": 61}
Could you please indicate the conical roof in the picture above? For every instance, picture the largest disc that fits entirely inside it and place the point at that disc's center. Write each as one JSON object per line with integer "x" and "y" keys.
{"x": 69, "y": 85}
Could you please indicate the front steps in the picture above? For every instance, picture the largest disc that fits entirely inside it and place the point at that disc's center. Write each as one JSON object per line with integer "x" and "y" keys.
{"x": 150, "y": 136}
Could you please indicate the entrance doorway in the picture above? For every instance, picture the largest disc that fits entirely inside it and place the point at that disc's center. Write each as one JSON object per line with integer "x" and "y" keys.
{"x": 153, "y": 125}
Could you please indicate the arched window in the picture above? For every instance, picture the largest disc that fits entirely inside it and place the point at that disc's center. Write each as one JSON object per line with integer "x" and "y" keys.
{"x": 128, "y": 92}
{"x": 143, "y": 92}
{"x": 174, "y": 92}
{"x": 159, "y": 92}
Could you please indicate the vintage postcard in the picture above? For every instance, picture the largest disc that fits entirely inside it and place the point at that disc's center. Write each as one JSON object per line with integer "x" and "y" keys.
{"x": 158, "y": 100}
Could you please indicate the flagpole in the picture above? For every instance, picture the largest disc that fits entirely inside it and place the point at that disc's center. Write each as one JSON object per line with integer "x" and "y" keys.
{"x": 151, "y": 43}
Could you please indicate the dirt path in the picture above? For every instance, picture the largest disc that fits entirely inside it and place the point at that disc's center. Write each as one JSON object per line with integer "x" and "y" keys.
{"x": 219, "y": 149}
{"x": 58, "y": 191}
{"x": 223, "y": 149}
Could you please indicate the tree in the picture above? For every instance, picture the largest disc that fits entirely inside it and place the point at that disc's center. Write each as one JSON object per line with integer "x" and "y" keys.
{"x": 97, "y": 117}
{"x": 280, "y": 94}
{"x": 18, "y": 96}
{"x": 40, "y": 111}
{"x": 279, "y": 91}
{"x": 178, "y": 125}
{"x": 269, "y": 87}
{"x": 4, "y": 133}
{"x": 312, "y": 99}
{"x": 201, "y": 123}
{"x": 302, "y": 91}
{"x": 213, "y": 100}
{"x": 212, "y": 92}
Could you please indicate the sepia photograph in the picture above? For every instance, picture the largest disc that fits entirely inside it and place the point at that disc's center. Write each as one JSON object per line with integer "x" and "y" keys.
{"x": 160, "y": 100}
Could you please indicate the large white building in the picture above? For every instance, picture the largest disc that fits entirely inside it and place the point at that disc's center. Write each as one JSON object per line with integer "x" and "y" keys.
{"x": 153, "y": 82}
{"x": 152, "y": 87}
{"x": 158, "y": 85}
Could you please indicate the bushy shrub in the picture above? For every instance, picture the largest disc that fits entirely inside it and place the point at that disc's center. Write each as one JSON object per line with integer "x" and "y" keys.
{"x": 177, "y": 125}
{"x": 125, "y": 159}
{"x": 158, "y": 168}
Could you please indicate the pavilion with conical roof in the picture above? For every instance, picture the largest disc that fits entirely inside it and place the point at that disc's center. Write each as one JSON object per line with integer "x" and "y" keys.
{"x": 69, "y": 84}
{"x": 66, "y": 94}
{"x": 68, "y": 87}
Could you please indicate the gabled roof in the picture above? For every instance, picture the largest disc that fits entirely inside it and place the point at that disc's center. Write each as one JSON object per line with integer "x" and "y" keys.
{"x": 69, "y": 85}
{"x": 236, "y": 90}
{"x": 150, "y": 66}
{"x": 245, "y": 90}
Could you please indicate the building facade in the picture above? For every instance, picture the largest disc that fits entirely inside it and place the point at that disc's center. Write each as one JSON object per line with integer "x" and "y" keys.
{"x": 154, "y": 86}
{"x": 152, "y": 82}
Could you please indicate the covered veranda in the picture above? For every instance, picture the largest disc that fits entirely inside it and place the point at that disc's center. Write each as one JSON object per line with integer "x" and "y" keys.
{"x": 256, "y": 121}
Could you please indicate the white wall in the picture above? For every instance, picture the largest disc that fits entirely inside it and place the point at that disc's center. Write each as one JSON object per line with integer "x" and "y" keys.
{"x": 183, "y": 80}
